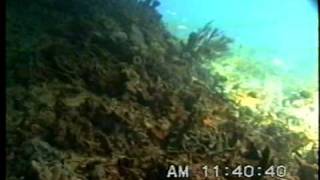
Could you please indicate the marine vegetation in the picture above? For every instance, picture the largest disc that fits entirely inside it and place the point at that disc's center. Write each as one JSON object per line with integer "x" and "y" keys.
{"x": 101, "y": 90}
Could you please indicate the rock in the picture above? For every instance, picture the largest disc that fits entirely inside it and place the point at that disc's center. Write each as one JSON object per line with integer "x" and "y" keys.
{"x": 306, "y": 170}
{"x": 174, "y": 46}
{"x": 157, "y": 48}
{"x": 38, "y": 149}
{"x": 119, "y": 37}
{"x": 305, "y": 94}
{"x": 137, "y": 37}
{"x": 98, "y": 173}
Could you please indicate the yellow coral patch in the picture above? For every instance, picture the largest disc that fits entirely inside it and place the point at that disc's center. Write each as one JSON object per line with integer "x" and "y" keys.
{"x": 248, "y": 101}
{"x": 208, "y": 122}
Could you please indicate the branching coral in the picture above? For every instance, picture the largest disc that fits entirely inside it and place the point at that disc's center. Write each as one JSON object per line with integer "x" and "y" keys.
{"x": 207, "y": 43}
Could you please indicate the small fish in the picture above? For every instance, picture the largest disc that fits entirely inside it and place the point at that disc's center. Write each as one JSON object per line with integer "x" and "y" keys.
{"x": 182, "y": 27}
{"x": 172, "y": 13}
{"x": 155, "y": 4}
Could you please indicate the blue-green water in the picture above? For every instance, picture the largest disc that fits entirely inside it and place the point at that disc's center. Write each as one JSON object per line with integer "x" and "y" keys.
{"x": 282, "y": 32}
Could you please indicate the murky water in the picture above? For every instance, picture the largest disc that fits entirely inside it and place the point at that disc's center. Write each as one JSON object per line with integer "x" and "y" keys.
{"x": 284, "y": 32}
{"x": 281, "y": 36}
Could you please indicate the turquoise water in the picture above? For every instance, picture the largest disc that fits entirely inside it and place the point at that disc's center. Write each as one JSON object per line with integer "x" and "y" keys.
{"x": 282, "y": 32}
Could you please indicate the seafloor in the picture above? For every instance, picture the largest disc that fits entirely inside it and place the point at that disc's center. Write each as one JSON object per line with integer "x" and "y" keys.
{"x": 99, "y": 89}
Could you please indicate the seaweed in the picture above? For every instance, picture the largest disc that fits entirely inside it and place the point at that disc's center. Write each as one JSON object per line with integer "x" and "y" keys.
{"x": 207, "y": 43}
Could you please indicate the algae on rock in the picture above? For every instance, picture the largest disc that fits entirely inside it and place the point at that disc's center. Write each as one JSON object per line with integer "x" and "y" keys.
{"x": 106, "y": 92}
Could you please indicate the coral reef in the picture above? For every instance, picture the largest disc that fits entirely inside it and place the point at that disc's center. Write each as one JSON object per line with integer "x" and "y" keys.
{"x": 101, "y": 90}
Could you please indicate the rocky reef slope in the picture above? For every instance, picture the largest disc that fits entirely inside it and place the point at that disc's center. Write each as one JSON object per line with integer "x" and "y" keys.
{"x": 101, "y": 90}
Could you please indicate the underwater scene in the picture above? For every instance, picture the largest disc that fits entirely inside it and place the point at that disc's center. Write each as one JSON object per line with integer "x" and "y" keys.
{"x": 162, "y": 89}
